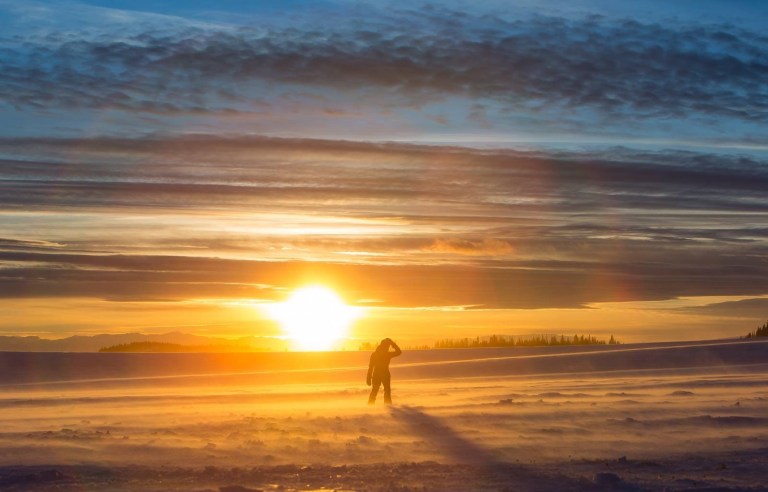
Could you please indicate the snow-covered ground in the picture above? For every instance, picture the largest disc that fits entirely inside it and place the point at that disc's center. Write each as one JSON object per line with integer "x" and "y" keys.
{"x": 686, "y": 416}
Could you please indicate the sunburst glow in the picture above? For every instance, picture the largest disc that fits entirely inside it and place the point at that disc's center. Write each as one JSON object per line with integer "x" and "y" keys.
{"x": 314, "y": 317}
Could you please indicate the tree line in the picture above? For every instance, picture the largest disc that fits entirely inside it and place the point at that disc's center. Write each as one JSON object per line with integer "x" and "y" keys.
{"x": 172, "y": 347}
{"x": 761, "y": 331}
{"x": 508, "y": 341}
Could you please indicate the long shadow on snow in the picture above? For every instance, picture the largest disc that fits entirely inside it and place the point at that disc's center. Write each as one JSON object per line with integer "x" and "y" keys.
{"x": 481, "y": 461}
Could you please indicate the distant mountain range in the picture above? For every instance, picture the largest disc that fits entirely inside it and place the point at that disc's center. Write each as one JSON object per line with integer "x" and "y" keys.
{"x": 81, "y": 343}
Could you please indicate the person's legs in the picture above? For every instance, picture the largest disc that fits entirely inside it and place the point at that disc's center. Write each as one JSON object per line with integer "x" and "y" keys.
{"x": 386, "y": 380}
{"x": 375, "y": 383}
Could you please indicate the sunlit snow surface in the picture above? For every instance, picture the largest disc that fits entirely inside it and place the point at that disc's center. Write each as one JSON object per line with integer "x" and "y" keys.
{"x": 679, "y": 416}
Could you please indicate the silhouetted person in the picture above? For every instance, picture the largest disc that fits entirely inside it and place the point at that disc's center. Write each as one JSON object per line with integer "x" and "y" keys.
{"x": 378, "y": 370}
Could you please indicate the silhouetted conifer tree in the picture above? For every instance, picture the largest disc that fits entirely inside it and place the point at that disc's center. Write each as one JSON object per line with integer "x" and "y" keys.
{"x": 761, "y": 331}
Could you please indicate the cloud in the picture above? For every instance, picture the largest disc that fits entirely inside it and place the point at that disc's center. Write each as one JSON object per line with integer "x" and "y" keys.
{"x": 28, "y": 245}
{"x": 482, "y": 247}
{"x": 745, "y": 308}
{"x": 612, "y": 68}
{"x": 488, "y": 187}
{"x": 521, "y": 285}
{"x": 188, "y": 216}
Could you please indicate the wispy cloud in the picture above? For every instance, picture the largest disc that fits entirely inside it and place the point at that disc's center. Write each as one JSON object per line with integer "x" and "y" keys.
{"x": 522, "y": 285}
{"x": 369, "y": 180}
{"x": 744, "y": 308}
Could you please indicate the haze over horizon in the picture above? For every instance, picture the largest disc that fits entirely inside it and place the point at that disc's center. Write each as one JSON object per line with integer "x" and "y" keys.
{"x": 453, "y": 170}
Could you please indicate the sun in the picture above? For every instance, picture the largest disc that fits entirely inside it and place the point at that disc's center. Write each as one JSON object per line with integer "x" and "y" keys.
{"x": 314, "y": 317}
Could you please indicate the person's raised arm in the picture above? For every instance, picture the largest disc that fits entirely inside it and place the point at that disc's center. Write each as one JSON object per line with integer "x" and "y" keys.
{"x": 397, "y": 349}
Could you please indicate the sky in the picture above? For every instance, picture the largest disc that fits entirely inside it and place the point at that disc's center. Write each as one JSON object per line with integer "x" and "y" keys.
{"x": 456, "y": 169}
